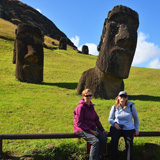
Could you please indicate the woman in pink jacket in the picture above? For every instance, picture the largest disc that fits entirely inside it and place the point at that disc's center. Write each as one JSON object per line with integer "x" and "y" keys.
{"x": 88, "y": 126}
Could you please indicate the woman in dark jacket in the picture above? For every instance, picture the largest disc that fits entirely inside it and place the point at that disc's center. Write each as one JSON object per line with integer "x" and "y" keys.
{"x": 88, "y": 126}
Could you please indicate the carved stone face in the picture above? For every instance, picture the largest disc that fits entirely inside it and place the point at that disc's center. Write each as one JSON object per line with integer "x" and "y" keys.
{"x": 63, "y": 43}
{"x": 85, "y": 49}
{"x": 118, "y": 42}
{"x": 29, "y": 54}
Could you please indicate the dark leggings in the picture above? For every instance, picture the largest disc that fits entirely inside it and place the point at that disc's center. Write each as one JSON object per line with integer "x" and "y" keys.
{"x": 128, "y": 137}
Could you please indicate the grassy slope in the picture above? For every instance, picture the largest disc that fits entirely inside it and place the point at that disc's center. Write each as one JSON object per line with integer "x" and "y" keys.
{"x": 48, "y": 107}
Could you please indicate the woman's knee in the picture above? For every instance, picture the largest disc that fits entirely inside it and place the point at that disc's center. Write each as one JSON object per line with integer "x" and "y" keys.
{"x": 95, "y": 141}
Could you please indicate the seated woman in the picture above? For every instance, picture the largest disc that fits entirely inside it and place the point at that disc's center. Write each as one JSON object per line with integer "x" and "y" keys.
{"x": 88, "y": 126}
{"x": 122, "y": 125}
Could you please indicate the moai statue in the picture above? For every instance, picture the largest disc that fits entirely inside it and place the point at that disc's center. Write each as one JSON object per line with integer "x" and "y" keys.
{"x": 116, "y": 51}
{"x": 28, "y": 54}
{"x": 85, "y": 49}
{"x": 14, "y": 51}
{"x": 63, "y": 43}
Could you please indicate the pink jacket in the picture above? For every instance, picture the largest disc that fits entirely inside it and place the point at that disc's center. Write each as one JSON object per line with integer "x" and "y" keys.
{"x": 86, "y": 118}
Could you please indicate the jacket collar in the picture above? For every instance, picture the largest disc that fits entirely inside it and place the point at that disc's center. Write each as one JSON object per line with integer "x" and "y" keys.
{"x": 84, "y": 103}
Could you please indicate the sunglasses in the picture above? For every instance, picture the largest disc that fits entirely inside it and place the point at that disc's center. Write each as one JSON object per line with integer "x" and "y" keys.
{"x": 123, "y": 96}
{"x": 88, "y": 95}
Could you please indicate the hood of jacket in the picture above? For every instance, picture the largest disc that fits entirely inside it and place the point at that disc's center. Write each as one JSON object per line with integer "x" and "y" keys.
{"x": 81, "y": 101}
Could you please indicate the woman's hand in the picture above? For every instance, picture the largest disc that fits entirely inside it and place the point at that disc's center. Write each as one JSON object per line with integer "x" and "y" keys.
{"x": 105, "y": 133}
{"x": 94, "y": 132}
{"x": 117, "y": 126}
{"x": 136, "y": 133}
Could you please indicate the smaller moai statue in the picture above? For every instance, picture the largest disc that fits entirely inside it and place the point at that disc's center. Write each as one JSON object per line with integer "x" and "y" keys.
{"x": 28, "y": 54}
{"x": 85, "y": 49}
{"x": 63, "y": 43}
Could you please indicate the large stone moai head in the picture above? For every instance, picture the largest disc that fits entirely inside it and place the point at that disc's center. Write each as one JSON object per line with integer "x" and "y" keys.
{"x": 29, "y": 54}
{"x": 63, "y": 43}
{"x": 85, "y": 49}
{"x": 118, "y": 42}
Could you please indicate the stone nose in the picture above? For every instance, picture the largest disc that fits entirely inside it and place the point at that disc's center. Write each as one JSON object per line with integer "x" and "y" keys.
{"x": 123, "y": 37}
{"x": 32, "y": 55}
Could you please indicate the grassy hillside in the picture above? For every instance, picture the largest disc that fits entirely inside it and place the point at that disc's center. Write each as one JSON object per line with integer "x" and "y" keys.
{"x": 48, "y": 107}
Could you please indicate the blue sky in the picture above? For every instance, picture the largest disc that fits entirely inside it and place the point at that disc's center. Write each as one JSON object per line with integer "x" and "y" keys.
{"x": 82, "y": 22}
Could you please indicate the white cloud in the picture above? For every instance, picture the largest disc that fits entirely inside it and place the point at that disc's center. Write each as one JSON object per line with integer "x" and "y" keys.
{"x": 154, "y": 64}
{"x": 75, "y": 40}
{"x": 38, "y": 10}
{"x": 92, "y": 47}
{"x": 145, "y": 51}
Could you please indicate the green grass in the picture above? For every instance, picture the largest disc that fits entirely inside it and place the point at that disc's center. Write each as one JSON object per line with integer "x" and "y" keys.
{"x": 7, "y": 29}
{"x": 48, "y": 107}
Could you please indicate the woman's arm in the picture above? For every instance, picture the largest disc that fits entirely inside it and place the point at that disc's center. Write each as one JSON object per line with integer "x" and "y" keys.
{"x": 135, "y": 117}
{"x": 111, "y": 118}
{"x": 79, "y": 117}
{"x": 98, "y": 123}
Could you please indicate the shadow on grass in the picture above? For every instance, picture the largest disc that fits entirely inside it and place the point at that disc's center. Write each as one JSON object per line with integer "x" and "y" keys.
{"x": 131, "y": 97}
{"x": 26, "y": 157}
{"x": 144, "y": 98}
{"x": 148, "y": 151}
{"x": 66, "y": 85}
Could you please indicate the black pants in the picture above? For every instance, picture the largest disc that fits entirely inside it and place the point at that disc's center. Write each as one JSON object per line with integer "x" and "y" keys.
{"x": 128, "y": 137}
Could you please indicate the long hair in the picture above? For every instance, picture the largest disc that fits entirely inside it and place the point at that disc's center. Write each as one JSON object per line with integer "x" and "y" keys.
{"x": 117, "y": 103}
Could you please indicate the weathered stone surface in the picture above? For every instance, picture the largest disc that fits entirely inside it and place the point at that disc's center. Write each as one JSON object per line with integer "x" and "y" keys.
{"x": 14, "y": 53}
{"x": 101, "y": 84}
{"x": 85, "y": 49}
{"x": 118, "y": 41}
{"x": 28, "y": 54}
{"x": 116, "y": 51}
{"x": 63, "y": 43}
{"x": 17, "y": 12}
